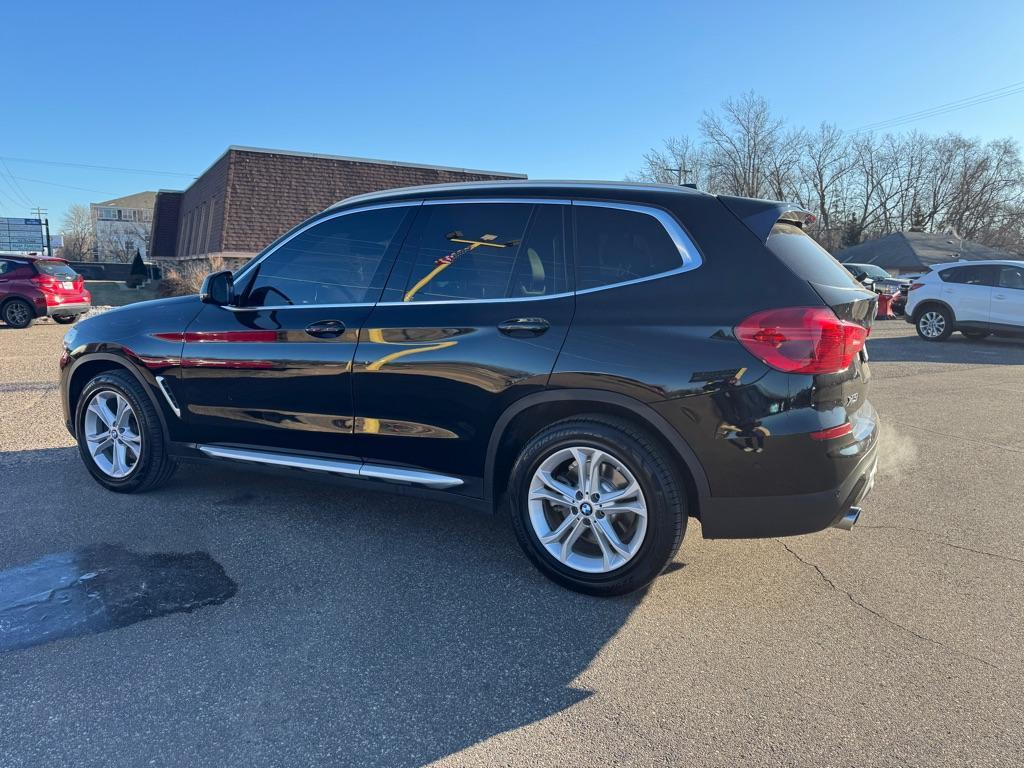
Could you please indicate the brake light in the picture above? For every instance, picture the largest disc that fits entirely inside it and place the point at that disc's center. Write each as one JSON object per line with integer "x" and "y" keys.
{"x": 914, "y": 286}
{"x": 802, "y": 339}
{"x": 46, "y": 282}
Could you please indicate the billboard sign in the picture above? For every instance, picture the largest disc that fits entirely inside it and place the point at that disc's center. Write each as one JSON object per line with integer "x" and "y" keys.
{"x": 21, "y": 235}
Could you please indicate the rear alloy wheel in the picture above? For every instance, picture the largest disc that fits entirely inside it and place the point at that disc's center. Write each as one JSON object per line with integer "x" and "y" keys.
{"x": 934, "y": 324}
{"x": 120, "y": 435}
{"x": 18, "y": 313}
{"x": 597, "y": 505}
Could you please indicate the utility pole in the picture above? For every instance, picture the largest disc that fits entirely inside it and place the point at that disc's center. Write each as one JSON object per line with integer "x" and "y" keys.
{"x": 681, "y": 174}
{"x": 40, "y": 213}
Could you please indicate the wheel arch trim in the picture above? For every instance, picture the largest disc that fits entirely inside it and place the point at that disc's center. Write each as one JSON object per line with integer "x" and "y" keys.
{"x": 647, "y": 414}
{"x": 922, "y": 305}
{"x": 124, "y": 362}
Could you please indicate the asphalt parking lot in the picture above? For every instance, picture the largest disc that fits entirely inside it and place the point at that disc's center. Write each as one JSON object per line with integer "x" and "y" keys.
{"x": 376, "y": 630}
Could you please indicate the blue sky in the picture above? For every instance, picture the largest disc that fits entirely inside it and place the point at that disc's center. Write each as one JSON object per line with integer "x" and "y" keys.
{"x": 552, "y": 89}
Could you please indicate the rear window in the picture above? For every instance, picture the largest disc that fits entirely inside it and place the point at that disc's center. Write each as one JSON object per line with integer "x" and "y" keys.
{"x": 56, "y": 269}
{"x": 806, "y": 258}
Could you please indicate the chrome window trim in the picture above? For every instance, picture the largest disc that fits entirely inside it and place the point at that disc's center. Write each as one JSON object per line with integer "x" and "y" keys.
{"x": 688, "y": 252}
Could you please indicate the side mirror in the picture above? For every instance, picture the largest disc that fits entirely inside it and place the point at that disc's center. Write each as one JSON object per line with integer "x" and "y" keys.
{"x": 218, "y": 288}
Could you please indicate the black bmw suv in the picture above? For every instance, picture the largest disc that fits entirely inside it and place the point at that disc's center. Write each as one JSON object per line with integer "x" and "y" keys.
{"x": 600, "y": 362}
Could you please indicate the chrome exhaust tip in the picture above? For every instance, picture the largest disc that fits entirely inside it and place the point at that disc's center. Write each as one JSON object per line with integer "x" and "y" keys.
{"x": 847, "y": 521}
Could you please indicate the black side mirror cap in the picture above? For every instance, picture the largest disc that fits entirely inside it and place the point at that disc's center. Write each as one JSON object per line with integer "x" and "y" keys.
{"x": 218, "y": 288}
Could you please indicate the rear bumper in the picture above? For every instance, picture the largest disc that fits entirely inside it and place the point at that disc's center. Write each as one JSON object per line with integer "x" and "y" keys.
{"x": 68, "y": 308}
{"x": 758, "y": 517}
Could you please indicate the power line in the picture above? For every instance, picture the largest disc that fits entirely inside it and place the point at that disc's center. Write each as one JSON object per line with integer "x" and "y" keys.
{"x": 14, "y": 185}
{"x": 65, "y": 186}
{"x": 97, "y": 167}
{"x": 951, "y": 106}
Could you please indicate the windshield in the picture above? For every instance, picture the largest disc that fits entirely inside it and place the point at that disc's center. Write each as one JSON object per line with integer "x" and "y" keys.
{"x": 871, "y": 270}
{"x": 56, "y": 269}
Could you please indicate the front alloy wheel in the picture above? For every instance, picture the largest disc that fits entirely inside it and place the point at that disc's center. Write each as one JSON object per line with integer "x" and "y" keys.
{"x": 587, "y": 509}
{"x": 120, "y": 435}
{"x": 112, "y": 434}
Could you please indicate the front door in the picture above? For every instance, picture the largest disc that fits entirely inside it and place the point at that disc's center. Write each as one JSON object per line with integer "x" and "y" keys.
{"x": 275, "y": 370}
{"x": 472, "y": 319}
{"x": 968, "y": 290}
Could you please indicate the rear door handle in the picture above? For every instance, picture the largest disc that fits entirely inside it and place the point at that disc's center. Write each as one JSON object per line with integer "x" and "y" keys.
{"x": 999, "y": 296}
{"x": 522, "y": 327}
{"x": 326, "y": 329}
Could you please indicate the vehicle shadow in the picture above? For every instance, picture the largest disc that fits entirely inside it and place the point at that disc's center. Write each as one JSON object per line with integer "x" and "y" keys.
{"x": 367, "y": 628}
{"x": 956, "y": 349}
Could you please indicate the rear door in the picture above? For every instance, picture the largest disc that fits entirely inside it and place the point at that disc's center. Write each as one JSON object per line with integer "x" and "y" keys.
{"x": 968, "y": 290}
{"x": 275, "y": 370}
{"x": 1008, "y": 298}
{"x": 472, "y": 319}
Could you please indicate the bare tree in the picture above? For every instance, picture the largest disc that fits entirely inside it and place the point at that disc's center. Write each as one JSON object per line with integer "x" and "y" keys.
{"x": 76, "y": 230}
{"x": 120, "y": 243}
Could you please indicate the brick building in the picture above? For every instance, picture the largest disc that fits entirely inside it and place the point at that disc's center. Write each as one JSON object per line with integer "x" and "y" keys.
{"x": 249, "y": 196}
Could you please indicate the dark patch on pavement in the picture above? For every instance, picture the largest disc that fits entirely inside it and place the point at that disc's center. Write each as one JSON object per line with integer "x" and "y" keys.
{"x": 102, "y": 587}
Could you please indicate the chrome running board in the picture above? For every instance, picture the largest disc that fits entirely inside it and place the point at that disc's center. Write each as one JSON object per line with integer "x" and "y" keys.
{"x": 334, "y": 466}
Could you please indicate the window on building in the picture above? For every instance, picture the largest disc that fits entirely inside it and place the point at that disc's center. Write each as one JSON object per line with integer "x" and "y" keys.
{"x": 337, "y": 261}
{"x": 614, "y": 246}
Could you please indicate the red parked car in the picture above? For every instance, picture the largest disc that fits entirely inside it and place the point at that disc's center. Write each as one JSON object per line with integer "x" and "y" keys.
{"x": 36, "y": 286}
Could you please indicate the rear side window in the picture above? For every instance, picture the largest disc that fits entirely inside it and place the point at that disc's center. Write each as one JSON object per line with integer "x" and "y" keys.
{"x": 1011, "y": 277}
{"x": 615, "y": 246}
{"x": 56, "y": 269}
{"x": 337, "y": 261}
{"x": 475, "y": 251}
{"x": 5, "y": 266}
{"x": 798, "y": 251}
{"x": 984, "y": 274}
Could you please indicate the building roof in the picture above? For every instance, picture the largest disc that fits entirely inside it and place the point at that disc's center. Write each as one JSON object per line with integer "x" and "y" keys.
{"x": 917, "y": 250}
{"x": 141, "y": 200}
{"x": 400, "y": 164}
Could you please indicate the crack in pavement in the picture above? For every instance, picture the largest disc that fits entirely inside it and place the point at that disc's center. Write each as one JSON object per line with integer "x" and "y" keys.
{"x": 891, "y": 622}
{"x": 930, "y": 537}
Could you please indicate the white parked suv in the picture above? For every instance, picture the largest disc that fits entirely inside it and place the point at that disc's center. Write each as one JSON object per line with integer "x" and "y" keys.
{"x": 977, "y": 298}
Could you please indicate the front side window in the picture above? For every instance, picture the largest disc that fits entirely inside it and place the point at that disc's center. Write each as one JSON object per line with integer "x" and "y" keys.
{"x": 976, "y": 275}
{"x": 1011, "y": 277}
{"x": 337, "y": 261}
{"x": 473, "y": 252}
{"x": 615, "y": 245}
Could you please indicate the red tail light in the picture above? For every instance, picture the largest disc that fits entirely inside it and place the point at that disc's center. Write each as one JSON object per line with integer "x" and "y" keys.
{"x": 46, "y": 282}
{"x": 915, "y": 286}
{"x": 802, "y": 339}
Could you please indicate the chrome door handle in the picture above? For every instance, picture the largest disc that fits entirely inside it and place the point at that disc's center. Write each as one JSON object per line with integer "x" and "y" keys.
{"x": 326, "y": 329}
{"x": 999, "y": 296}
{"x": 522, "y": 327}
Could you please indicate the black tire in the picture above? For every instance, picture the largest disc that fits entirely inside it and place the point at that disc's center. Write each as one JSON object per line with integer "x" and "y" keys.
{"x": 155, "y": 466}
{"x": 974, "y": 335}
{"x": 660, "y": 481}
{"x": 65, "y": 319}
{"x": 929, "y": 319}
{"x": 18, "y": 313}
